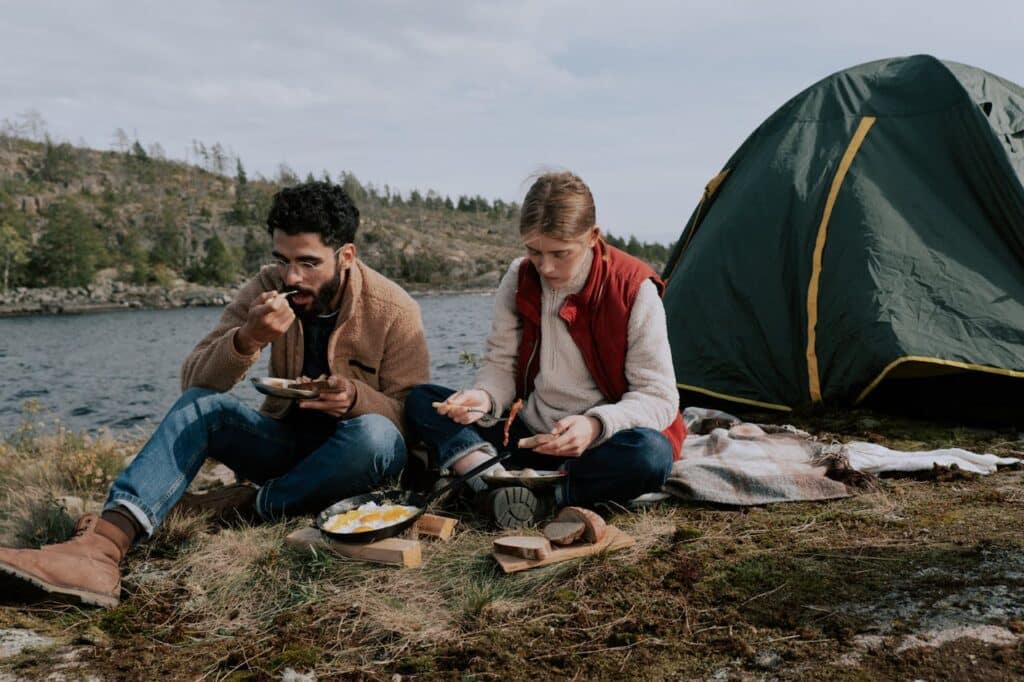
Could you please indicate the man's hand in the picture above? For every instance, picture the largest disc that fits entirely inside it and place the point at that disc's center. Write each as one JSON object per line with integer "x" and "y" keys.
{"x": 573, "y": 436}
{"x": 466, "y": 407}
{"x": 269, "y": 317}
{"x": 336, "y": 400}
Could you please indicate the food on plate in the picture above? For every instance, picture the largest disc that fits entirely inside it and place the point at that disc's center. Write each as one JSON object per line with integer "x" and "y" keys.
{"x": 513, "y": 411}
{"x": 573, "y": 523}
{"x": 301, "y": 388}
{"x": 521, "y": 473}
{"x": 311, "y": 384}
{"x": 367, "y": 517}
{"x": 536, "y": 440}
{"x": 525, "y": 546}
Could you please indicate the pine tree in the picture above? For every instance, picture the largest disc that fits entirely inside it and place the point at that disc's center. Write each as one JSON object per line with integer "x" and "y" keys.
{"x": 69, "y": 250}
{"x": 240, "y": 177}
{"x": 138, "y": 153}
{"x": 254, "y": 250}
{"x": 218, "y": 267}
{"x": 13, "y": 252}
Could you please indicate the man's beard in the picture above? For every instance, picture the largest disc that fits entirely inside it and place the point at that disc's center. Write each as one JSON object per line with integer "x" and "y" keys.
{"x": 323, "y": 300}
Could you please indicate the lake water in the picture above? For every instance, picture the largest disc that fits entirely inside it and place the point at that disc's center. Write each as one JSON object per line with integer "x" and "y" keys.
{"x": 119, "y": 370}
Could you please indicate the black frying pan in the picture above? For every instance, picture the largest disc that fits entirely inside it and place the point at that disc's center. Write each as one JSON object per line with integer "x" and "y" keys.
{"x": 404, "y": 497}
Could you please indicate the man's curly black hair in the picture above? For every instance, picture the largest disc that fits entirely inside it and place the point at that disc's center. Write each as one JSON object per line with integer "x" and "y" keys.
{"x": 319, "y": 207}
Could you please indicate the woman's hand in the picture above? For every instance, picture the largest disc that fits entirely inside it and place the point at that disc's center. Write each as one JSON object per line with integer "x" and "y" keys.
{"x": 336, "y": 400}
{"x": 573, "y": 436}
{"x": 466, "y": 407}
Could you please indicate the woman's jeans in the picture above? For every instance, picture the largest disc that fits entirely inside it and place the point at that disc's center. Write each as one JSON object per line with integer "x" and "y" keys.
{"x": 629, "y": 464}
{"x": 303, "y": 464}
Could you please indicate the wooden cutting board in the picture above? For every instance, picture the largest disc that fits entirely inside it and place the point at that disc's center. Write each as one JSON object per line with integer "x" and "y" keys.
{"x": 614, "y": 539}
{"x": 394, "y": 551}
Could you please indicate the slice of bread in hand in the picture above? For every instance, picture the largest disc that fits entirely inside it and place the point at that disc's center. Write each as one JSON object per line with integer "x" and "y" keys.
{"x": 535, "y": 440}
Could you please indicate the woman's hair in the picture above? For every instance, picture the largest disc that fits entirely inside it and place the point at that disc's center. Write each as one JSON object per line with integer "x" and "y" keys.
{"x": 559, "y": 205}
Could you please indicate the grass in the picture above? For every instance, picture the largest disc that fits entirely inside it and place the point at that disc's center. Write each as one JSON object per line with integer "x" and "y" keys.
{"x": 792, "y": 591}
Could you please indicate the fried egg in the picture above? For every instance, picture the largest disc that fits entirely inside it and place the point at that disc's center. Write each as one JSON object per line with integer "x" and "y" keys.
{"x": 369, "y": 516}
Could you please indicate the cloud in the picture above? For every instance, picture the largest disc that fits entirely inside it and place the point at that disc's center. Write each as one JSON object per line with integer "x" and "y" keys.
{"x": 646, "y": 99}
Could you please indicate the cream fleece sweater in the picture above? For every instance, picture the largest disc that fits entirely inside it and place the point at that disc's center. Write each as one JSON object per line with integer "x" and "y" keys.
{"x": 564, "y": 386}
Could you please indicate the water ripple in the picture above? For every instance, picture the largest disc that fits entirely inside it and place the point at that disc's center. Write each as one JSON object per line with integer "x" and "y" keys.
{"x": 119, "y": 370}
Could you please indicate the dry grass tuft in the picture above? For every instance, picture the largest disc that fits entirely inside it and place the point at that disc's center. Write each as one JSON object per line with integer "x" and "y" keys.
{"x": 34, "y": 517}
{"x": 231, "y": 581}
{"x": 649, "y": 527}
{"x": 39, "y": 468}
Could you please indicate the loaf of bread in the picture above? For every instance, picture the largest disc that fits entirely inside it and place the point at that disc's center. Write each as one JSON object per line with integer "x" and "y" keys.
{"x": 573, "y": 523}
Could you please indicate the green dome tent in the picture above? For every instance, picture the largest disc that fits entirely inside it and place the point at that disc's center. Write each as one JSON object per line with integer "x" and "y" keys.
{"x": 865, "y": 243}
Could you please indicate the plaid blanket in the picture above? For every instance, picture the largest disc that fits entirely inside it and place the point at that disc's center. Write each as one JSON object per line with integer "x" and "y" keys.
{"x": 727, "y": 461}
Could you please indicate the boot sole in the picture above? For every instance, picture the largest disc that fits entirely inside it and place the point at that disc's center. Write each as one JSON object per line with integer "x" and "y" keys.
{"x": 29, "y": 588}
{"x": 513, "y": 507}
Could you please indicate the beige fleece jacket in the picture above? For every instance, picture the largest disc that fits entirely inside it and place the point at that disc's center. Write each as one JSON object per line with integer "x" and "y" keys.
{"x": 378, "y": 342}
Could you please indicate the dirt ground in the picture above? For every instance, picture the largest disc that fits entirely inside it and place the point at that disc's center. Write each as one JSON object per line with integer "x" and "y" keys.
{"x": 921, "y": 580}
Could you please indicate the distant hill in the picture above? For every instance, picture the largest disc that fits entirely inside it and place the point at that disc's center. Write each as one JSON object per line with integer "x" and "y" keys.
{"x": 68, "y": 213}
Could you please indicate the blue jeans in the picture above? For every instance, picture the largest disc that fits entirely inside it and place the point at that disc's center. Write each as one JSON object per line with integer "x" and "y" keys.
{"x": 629, "y": 464}
{"x": 303, "y": 464}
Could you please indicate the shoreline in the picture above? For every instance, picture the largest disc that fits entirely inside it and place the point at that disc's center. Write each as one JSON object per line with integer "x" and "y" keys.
{"x": 118, "y": 296}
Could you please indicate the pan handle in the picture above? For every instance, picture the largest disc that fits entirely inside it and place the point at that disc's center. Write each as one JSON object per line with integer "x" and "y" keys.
{"x": 459, "y": 480}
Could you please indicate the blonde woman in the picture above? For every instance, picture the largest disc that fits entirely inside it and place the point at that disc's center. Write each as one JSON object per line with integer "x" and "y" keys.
{"x": 579, "y": 336}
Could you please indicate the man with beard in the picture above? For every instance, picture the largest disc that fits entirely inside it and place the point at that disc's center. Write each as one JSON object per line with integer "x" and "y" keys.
{"x": 322, "y": 311}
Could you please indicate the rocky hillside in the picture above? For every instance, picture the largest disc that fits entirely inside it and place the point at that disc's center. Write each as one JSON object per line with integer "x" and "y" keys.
{"x": 72, "y": 217}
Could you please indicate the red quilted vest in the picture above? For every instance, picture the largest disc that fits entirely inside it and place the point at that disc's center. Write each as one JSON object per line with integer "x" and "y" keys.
{"x": 598, "y": 319}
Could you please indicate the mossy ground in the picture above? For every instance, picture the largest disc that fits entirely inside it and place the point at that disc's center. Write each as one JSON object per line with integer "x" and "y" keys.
{"x": 924, "y": 579}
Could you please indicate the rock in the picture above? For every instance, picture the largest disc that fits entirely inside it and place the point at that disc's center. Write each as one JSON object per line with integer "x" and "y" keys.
{"x": 14, "y": 641}
{"x": 767, "y": 660}
{"x": 106, "y": 276}
{"x": 217, "y": 476}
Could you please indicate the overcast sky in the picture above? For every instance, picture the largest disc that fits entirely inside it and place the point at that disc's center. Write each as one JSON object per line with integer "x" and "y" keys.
{"x": 645, "y": 100}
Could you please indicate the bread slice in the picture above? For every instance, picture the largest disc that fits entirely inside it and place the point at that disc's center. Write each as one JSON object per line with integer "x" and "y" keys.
{"x": 594, "y": 527}
{"x": 535, "y": 440}
{"x": 525, "y": 546}
{"x": 564, "y": 532}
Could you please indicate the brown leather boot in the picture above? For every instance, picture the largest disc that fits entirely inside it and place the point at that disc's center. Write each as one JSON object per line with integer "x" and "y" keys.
{"x": 84, "y": 569}
{"x": 229, "y": 504}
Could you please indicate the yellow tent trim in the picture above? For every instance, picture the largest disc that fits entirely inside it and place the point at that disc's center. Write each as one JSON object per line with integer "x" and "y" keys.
{"x": 814, "y": 382}
{"x": 934, "y": 361}
{"x": 709, "y": 191}
{"x": 732, "y": 398}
